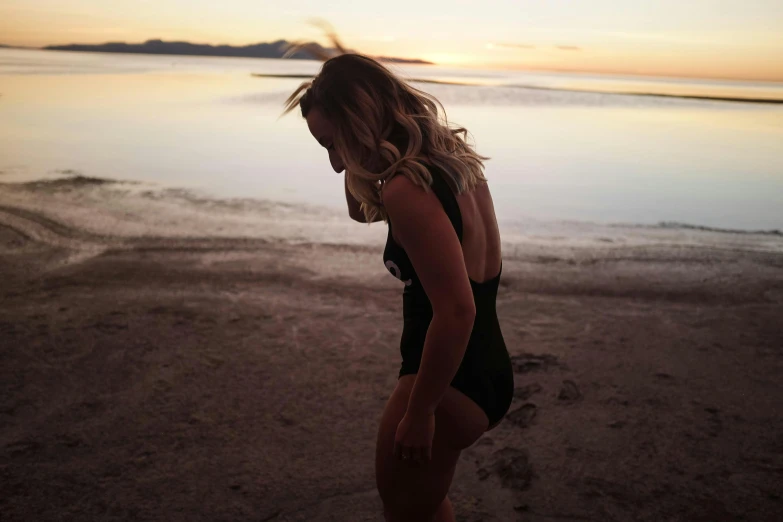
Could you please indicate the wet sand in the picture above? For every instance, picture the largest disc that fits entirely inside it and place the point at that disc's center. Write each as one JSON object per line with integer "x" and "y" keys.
{"x": 170, "y": 358}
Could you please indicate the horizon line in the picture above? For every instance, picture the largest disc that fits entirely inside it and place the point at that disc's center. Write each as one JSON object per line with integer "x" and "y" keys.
{"x": 470, "y": 65}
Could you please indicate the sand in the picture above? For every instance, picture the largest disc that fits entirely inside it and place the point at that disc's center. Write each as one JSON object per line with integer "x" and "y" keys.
{"x": 170, "y": 357}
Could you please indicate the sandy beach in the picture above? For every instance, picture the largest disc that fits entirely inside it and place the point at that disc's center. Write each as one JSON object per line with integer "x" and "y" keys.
{"x": 170, "y": 357}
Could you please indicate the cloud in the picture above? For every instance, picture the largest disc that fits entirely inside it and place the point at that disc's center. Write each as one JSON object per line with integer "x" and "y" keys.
{"x": 97, "y": 30}
{"x": 672, "y": 38}
{"x": 380, "y": 39}
{"x": 510, "y": 46}
{"x": 503, "y": 45}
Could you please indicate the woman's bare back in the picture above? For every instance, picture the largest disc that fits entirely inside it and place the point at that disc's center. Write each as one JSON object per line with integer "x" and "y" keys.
{"x": 480, "y": 234}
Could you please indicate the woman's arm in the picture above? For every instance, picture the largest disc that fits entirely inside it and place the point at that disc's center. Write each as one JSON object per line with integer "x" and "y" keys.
{"x": 429, "y": 239}
{"x": 354, "y": 207}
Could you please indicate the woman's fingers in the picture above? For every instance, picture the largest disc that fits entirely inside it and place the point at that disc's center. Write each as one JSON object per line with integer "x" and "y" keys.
{"x": 407, "y": 452}
{"x": 415, "y": 455}
{"x": 402, "y": 452}
{"x": 427, "y": 453}
{"x": 422, "y": 454}
{"x": 411, "y": 454}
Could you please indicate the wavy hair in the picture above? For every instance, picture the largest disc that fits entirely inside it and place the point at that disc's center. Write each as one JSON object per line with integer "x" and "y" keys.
{"x": 383, "y": 127}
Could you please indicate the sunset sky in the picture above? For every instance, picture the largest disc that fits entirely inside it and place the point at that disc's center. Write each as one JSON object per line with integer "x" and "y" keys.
{"x": 740, "y": 39}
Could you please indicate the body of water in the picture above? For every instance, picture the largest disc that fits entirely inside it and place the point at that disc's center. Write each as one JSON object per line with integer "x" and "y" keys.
{"x": 563, "y": 146}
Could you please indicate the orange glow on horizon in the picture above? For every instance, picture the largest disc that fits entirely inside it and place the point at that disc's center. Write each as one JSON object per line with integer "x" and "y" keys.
{"x": 732, "y": 43}
{"x": 621, "y": 60}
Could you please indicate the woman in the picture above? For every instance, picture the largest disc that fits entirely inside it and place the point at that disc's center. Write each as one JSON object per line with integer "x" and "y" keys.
{"x": 405, "y": 166}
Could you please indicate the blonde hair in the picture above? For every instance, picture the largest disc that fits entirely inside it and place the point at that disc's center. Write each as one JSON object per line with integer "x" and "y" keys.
{"x": 384, "y": 127}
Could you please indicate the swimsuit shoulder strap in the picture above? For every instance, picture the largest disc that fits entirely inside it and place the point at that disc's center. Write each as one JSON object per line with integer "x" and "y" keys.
{"x": 447, "y": 198}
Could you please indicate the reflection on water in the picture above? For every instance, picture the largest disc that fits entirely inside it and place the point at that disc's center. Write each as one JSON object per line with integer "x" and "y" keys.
{"x": 206, "y": 123}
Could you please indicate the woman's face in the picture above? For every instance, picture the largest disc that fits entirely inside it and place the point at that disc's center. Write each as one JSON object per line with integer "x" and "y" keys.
{"x": 323, "y": 132}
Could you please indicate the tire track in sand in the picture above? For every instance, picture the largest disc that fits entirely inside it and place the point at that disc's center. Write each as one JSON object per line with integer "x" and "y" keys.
{"x": 39, "y": 229}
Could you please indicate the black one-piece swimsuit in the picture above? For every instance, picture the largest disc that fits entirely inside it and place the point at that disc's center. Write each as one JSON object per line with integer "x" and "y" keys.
{"x": 485, "y": 374}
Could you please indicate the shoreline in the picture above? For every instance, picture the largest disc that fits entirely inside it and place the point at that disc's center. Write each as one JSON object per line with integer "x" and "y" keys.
{"x": 69, "y": 181}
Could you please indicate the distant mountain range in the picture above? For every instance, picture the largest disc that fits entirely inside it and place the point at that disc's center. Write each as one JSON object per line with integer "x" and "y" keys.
{"x": 260, "y": 50}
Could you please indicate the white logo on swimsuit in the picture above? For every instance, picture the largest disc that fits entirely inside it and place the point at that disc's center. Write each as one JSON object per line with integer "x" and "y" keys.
{"x": 395, "y": 270}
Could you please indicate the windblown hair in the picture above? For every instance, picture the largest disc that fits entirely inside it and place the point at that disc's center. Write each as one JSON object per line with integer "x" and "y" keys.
{"x": 384, "y": 127}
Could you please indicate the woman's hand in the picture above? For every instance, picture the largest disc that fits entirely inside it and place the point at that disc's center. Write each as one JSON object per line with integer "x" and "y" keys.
{"x": 413, "y": 440}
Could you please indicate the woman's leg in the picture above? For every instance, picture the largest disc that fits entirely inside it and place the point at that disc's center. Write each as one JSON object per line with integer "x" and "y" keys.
{"x": 445, "y": 512}
{"x": 417, "y": 492}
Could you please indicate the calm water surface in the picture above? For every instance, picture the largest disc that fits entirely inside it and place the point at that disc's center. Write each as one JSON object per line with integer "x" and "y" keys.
{"x": 207, "y": 124}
